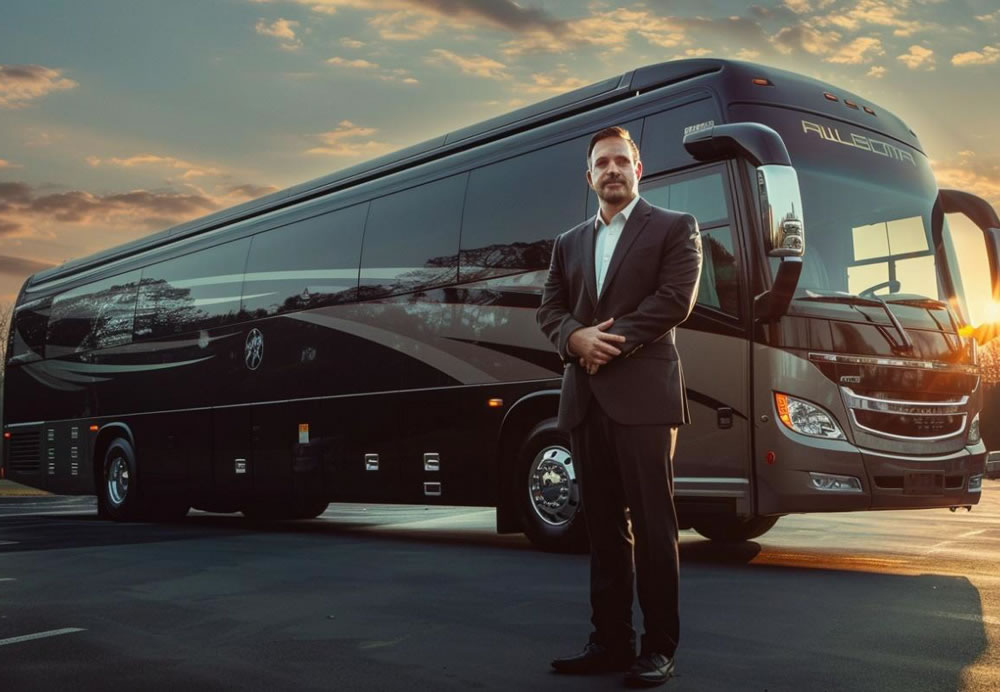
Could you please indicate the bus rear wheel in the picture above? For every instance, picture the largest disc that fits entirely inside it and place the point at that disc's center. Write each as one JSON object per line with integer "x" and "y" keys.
{"x": 733, "y": 529}
{"x": 547, "y": 492}
{"x": 117, "y": 490}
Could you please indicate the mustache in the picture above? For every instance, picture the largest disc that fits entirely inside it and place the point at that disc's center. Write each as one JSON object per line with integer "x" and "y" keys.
{"x": 612, "y": 179}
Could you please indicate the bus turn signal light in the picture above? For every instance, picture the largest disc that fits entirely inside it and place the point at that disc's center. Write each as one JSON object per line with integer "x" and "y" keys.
{"x": 495, "y": 403}
{"x": 93, "y": 428}
{"x": 6, "y": 436}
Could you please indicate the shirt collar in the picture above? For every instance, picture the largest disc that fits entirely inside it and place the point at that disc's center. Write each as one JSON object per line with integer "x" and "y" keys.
{"x": 626, "y": 212}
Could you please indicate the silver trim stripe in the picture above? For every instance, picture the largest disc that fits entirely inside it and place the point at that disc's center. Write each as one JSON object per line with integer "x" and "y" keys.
{"x": 894, "y": 362}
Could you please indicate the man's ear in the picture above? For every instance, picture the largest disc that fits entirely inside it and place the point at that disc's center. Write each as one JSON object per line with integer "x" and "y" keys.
{"x": 638, "y": 171}
{"x": 590, "y": 180}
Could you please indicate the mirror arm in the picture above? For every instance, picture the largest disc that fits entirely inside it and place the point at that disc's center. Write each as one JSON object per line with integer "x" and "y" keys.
{"x": 773, "y": 303}
{"x": 983, "y": 215}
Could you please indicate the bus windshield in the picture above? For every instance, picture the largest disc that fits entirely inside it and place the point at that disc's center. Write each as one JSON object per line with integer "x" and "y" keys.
{"x": 867, "y": 209}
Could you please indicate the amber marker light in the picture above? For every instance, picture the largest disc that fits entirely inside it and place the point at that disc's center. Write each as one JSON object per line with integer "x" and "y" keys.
{"x": 760, "y": 81}
{"x": 495, "y": 403}
{"x": 851, "y": 104}
{"x": 828, "y": 96}
{"x": 869, "y": 111}
{"x": 781, "y": 403}
{"x": 93, "y": 428}
{"x": 6, "y": 436}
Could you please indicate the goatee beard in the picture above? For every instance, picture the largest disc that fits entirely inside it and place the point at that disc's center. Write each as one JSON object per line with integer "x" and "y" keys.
{"x": 614, "y": 195}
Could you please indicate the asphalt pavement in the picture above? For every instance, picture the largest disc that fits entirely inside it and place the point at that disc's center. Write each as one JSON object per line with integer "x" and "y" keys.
{"x": 413, "y": 598}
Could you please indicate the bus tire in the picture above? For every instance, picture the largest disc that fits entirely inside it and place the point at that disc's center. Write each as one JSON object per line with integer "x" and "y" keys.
{"x": 309, "y": 509}
{"x": 733, "y": 529}
{"x": 547, "y": 495}
{"x": 118, "y": 491}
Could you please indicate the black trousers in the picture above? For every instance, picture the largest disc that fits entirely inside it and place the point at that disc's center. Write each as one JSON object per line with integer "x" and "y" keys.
{"x": 631, "y": 466}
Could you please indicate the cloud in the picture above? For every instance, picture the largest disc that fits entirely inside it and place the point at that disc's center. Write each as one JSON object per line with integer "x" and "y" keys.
{"x": 876, "y": 72}
{"x": 7, "y": 164}
{"x": 351, "y": 43}
{"x": 20, "y": 266}
{"x": 21, "y": 84}
{"x": 861, "y": 50}
{"x": 27, "y": 211}
{"x": 979, "y": 175}
{"x": 349, "y": 141}
{"x": 477, "y": 65}
{"x": 609, "y": 30}
{"x": 252, "y": 191}
{"x": 747, "y": 54}
{"x": 890, "y": 14}
{"x": 283, "y": 30}
{"x": 917, "y": 57}
{"x": 550, "y": 85}
{"x": 798, "y": 6}
{"x": 987, "y": 56}
{"x": 190, "y": 170}
{"x": 357, "y": 63}
{"x": 991, "y": 17}
{"x": 805, "y": 38}
{"x": 693, "y": 53}
{"x": 386, "y": 75}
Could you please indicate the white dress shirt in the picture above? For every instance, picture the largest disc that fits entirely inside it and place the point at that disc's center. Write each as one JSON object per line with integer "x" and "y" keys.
{"x": 607, "y": 239}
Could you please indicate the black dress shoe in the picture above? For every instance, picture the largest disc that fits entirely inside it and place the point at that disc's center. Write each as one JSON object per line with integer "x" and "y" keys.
{"x": 650, "y": 670}
{"x": 595, "y": 658}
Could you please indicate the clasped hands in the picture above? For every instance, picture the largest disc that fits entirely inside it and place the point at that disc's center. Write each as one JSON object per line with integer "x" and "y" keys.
{"x": 595, "y": 346}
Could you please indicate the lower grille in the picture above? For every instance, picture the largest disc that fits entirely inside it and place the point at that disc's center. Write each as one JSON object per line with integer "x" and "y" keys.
{"x": 24, "y": 452}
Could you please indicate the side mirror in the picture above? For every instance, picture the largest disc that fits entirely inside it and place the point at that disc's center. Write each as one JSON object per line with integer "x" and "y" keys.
{"x": 781, "y": 210}
{"x": 779, "y": 197}
{"x": 983, "y": 215}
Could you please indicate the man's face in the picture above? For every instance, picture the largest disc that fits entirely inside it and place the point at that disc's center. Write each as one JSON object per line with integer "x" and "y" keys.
{"x": 614, "y": 172}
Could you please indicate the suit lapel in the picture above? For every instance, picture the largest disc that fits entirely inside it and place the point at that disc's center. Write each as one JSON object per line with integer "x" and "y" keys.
{"x": 589, "y": 268}
{"x": 636, "y": 222}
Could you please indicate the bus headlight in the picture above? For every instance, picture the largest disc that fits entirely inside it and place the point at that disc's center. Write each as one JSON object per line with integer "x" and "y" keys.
{"x": 806, "y": 418}
{"x": 974, "y": 435}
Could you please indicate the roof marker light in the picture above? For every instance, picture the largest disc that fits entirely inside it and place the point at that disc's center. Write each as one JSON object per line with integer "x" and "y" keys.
{"x": 829, "y": 96}
{"x": 869, "y": 111}
{"x": 760, "y": 81}
{"x": 851, "y": 104}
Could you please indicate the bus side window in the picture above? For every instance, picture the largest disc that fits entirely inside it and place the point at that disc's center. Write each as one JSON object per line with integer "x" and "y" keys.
{"x": 515, "y": 208}
{"x": 93, "y": 316}
{"x": 411, "y": 239}
{"x": 28, "y": 335}
{"x": 703, "y": 195}
{"x": 196, "y": 291}
{"x": 305, "y": 264}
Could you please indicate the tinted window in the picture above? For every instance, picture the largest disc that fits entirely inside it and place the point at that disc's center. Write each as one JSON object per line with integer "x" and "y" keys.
{"x": 306, "y": 264}
{"x": 196, "y": 291}
{"x": 411, "y": 239}
{"x": 663, "y": 135}
{"x": 704, "y": 197}
{"x": 515, "y": 208}
{"x": 31, "y": 320}
{"x": 98, "y": 315}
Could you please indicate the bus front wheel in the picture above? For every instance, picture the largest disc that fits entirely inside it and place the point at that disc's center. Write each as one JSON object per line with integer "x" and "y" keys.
{"x": 733, "y": 529}
{"x": 547, "y": 492}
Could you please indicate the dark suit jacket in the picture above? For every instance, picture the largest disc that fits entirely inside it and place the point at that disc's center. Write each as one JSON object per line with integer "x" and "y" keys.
{"x": 650, "y": 287}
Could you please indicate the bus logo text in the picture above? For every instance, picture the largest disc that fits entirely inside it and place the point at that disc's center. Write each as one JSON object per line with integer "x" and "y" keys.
{"x": 875, "y": 146}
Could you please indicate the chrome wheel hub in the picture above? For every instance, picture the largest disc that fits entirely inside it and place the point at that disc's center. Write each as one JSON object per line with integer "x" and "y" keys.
{"x": 118, "y": 479}
{"x": 552, "y": 486}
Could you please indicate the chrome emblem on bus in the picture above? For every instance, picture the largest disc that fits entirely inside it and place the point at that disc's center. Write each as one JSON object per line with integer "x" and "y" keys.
{"x": 254, "y": 352}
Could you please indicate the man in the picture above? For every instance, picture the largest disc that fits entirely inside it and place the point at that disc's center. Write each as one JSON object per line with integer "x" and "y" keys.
{"x": 618, "y": 285}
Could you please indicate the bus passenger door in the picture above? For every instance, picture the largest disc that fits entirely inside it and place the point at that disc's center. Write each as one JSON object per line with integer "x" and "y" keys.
{"x": 712, "y": 460}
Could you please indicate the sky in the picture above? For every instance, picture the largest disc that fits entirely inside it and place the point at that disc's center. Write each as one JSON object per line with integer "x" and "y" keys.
{"x": 119, "y": 118}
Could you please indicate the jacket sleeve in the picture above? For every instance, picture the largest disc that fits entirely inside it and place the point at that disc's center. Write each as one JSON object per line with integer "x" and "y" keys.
{"x": 553, "y": 315}
{"x": 672, "y": 302}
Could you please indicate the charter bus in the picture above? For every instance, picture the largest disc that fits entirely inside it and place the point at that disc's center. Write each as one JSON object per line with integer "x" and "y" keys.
{"x": 370, "y": 336}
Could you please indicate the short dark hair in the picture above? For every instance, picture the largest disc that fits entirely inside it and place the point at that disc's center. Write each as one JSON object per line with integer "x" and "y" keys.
{"x": 608, "y": 133}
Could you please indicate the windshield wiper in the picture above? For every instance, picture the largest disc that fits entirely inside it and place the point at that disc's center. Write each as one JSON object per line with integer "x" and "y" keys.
{"x": 905, "y": 343}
